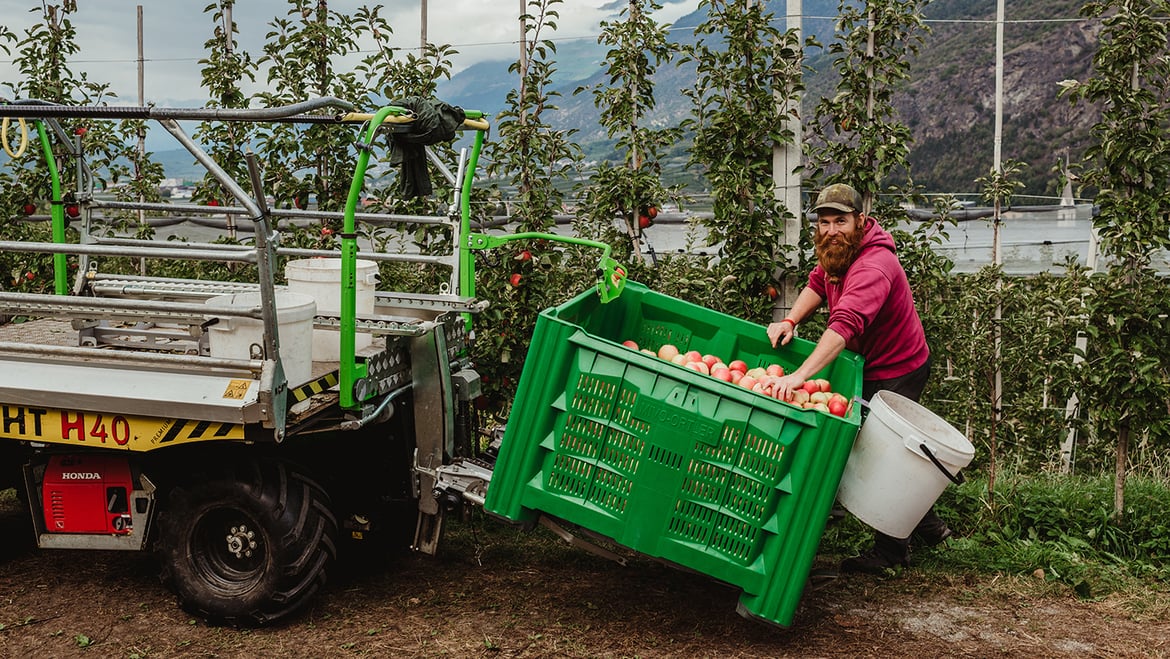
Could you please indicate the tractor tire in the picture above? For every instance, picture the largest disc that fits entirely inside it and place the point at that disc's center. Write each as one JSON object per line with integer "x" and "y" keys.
{"x": 248, "y": 544}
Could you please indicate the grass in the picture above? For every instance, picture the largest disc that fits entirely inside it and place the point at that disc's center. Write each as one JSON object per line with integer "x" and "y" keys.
{"x": 1050, "y": 529}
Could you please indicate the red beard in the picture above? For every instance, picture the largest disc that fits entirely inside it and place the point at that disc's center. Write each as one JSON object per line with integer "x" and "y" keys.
{"x": 836, "y": 257}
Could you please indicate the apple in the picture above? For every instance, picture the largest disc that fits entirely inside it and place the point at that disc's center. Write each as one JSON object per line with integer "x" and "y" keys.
{"x": 30, "y": 208}
{"x": 698, "y": 366}
{"x": 811, "y": 386}
{"x": 630, "y": 344}
{"x": 644, "y": 221}
{"x": 72, "y": 210}
{"x": 680, "y": 359}
{"x": 738, "y": 365}
{"x": 757, "y": 372}
{"x": 736, "y": 376}
{"x": 747, "y": 382}
{"x": 524, "y": 255}
{"x": 650, "y": 352}
{"x": 667, "y": 352}
{"x": 799, "y": 397}
{"x": 838, "y": 406}
{"x": 514, "y": 280}
{"x": 818, "y": 396}
{"x": 774, "y": 370}
{"x": 821, "y": 407}
{"x": 723, "y": 373}
{"x": 823, "y": 384}
{"x": 710, "y": 360}
{"x": 652, "y": 212}
{"x": 694, "y": 356}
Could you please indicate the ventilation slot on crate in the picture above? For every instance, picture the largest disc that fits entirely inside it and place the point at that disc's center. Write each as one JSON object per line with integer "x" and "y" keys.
{"x": 622, "y": 452}
{"x": 594, "y": 396}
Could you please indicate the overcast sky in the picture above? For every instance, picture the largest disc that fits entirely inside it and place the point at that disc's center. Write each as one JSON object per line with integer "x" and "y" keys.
{"x": 174, "y": 32}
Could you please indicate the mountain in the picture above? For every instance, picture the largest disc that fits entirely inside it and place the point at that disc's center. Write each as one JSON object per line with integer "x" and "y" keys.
{"x": 949, "y": 102}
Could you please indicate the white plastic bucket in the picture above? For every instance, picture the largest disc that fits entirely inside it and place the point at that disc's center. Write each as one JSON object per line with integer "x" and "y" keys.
{"x": 320, "y": 278}
{"x": 890, "y": 481}
{"x": 232, "y": 337}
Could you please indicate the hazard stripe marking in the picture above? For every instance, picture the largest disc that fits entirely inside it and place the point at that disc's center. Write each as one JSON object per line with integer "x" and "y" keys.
{"x": 305, "y": 391}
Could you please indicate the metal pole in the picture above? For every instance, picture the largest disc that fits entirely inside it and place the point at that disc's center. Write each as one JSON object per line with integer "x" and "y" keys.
{"x": 997, "y": 252}
{"x": 141, "y": 129}
{"x": 423, "y": 29}
{"x": 786, "y": 160}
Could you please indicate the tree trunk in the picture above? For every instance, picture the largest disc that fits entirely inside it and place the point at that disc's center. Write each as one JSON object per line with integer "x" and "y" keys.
{"x": 1119, "y": 474}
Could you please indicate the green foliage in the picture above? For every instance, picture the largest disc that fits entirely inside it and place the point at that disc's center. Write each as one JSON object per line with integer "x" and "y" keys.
{"x": 863, "y": 139}
{"x": 533, "y": 158}
{"x": 1129, "y": 163}
{"x": 631, "y": 190}
{"x": 747, "y": 72}
{"x": 1061, "y": 525}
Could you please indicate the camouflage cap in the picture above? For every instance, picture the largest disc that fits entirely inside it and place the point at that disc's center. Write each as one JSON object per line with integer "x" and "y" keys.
{"x": 839, "y": 197}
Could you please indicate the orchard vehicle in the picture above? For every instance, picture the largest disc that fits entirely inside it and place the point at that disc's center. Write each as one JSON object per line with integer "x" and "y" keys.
{"x": 243, "y": 430}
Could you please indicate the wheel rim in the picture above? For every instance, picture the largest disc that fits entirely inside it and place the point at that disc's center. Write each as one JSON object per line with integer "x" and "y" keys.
{"x": 228, "y": 551}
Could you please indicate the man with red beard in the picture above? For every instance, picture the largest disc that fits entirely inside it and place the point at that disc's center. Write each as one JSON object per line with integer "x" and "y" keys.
{"x": 871, "y": 312}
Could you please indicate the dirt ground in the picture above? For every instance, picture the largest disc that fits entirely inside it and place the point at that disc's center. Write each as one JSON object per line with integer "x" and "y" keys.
{"x": 494, "y": 591}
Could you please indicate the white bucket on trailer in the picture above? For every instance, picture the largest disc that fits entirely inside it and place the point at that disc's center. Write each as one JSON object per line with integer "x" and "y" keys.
{"x": 890, "y": 481}
{"x": 232, "y": 337}
{"x": 320, "y": 278}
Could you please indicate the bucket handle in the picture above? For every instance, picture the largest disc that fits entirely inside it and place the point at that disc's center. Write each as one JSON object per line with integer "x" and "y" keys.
{"x": 957, "y": 479}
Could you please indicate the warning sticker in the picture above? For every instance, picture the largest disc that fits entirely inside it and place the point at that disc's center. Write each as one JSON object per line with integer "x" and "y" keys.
{"x": 237, "y": 389}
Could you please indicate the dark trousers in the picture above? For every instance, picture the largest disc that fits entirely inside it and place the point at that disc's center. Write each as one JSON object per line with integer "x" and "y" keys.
{"x": 911, "y": 386}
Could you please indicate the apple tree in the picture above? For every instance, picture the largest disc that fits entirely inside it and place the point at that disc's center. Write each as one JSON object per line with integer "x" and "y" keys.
{"x": 1126, "y": 368}
{"x": 630, "y": 190}
{"x": 747, "y": 72}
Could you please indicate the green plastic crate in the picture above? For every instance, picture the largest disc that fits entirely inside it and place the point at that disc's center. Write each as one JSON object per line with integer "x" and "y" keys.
{"x": 667, "y": 461}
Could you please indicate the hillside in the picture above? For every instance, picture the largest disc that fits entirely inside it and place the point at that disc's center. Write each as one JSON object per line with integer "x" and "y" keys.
{"x": 949, "y": 103}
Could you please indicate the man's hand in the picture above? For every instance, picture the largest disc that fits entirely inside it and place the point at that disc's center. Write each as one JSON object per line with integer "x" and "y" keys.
{"x": 782, "y": 387}
{"x": 780, "y": 333}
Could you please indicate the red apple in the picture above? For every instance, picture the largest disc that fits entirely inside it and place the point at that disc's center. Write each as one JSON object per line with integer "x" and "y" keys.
{"x": 72, "y": 210}
{"x": 723, "y": 373}
{"x": 811, "y": 386}
{"x": 524, "y": 255}
{"x": 644, "y": 221}
{"x": 514, "y": 280}
{"x": 710, "y": 360}
{"x": 652, "y": 212}
{"x": 698, "y": 366}
{"x": 694, "y": 356}
{"x": 630, "y": 344}
{"x": 680, "y": 359}
{"x": 823, "y": 384}
{"x": 838, "y": 406}
{"x": 747, "y": 382}
{"x": 30, "y": 208}
{"x": 757, "y": 372}
{"x": 774, "y": 370}
{"x": 667, "y": 352}
{"x": 648, "y": 351}
{"x": 736, "y": 376}
{"x": 738, "y": 365}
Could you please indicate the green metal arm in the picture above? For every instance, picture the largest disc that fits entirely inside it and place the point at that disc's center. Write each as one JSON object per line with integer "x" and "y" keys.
{"x": 611, "y": 276}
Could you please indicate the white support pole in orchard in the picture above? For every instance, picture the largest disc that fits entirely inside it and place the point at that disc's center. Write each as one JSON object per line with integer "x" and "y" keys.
{"x": 996, "y": 251}
{"x": 786, "y": 159}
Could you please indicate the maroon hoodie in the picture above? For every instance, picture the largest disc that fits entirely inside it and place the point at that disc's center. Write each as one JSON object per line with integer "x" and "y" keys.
{"x": 873, "y": 310}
